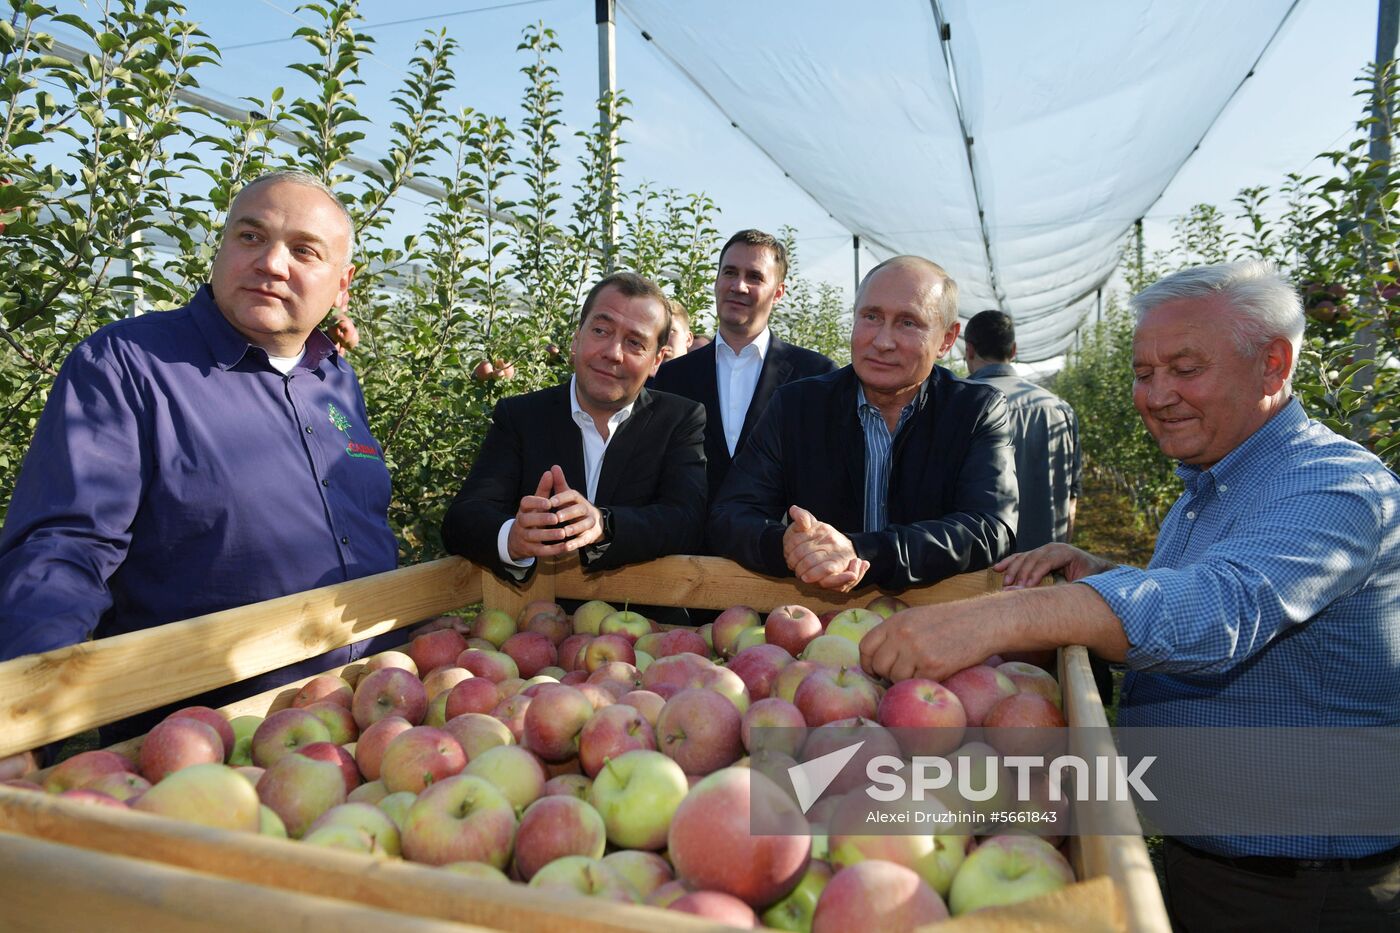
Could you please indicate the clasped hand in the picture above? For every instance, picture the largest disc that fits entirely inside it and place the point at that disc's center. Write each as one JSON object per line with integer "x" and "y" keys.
{"x": 819, "y": 554}
{"x": 555, "y": 520}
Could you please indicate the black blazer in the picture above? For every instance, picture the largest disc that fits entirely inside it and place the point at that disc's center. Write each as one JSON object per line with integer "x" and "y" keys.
{"x": 952, "y": 494}
{"x": 653, "y": 477}
{"x": 693, "y": 376}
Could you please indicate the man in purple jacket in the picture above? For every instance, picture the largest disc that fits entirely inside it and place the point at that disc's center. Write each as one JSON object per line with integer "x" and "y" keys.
{"x": 204, "y": 458}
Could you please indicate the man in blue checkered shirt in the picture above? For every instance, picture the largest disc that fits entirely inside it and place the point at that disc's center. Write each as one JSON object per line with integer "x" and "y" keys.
{"x": 1272, "y": 599}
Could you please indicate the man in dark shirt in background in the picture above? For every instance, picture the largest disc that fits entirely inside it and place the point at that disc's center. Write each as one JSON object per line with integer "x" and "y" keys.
{"x": 208, "y": 457}
{"x": 1043, "y": 430}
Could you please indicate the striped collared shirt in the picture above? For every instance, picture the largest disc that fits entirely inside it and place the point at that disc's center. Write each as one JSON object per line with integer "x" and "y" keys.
{"x": 878, "y": 443}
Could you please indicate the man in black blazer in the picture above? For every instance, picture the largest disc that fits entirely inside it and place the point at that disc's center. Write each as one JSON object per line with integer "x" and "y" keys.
{"x": 890, "y": 471}
{"x": 597, "y": 465}
{"x": 735, "y": 375}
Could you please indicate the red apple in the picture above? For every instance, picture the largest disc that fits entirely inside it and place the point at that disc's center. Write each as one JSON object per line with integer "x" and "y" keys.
{"x": 553, "y": 720}
{"x": 729, "y": 624}
{"x": 611, "y": 732}
{"x": 338, "y": 720}
{"x": 606, "y": 648}
{"x": 330, "y": 688}
{"x": 123, "y": 785}
{"x": 758, "y": 667}
{"x": 474, "y": 695}
{"x": 477, "y": 732}
{"x": 511, "y": 711}
{"x": 179, "y": 743}
{"x": 646, "y": 702}
{"x": 826, "y": 696}
{"x": 390, "y": 691}
{"x": 369, "y": 750}
{"x": 791, "y": 627}
{"x": 334, "y": 754}
{"x": 299, "y": 789}
{"x": 493, "y": 665}
{"x": 213, "y": 718}
{"x": 700, "y": 730}
{"x": 876, "y": 895}
{"x": 680, "y": 641}
{"x": 875, "y": 741}
{"x": 84, "y": 769}
{"x": 531, "y": 652}
{"x": 790, "y": 678}
{"x": 553, "y": 827}
{"x": 442, "y": 679}
{"x": 568, "y": 785}
{"x": 928, "y": 716}
{"x": 436, "y": 649}
{"x": 979, "y": 688}
{"x": 644, "y": 871}
{"x": 418, "y": 757}
{"x": 1025, "y": 724}
{"x": 774, "y": 714}
{"x": 885, "y": 606}
{"x": 1031, "y": 679}
{"x": 722, "y": 908}
{"x": 460, "y": 818}
{"x": 713, "y": 849}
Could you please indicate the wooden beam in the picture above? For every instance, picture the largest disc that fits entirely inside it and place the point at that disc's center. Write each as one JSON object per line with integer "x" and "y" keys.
{"x": 48, "y": 696}
{"x": 385, "y": 884}
{"x": 717, "y": 583}
{"x": 1110, "y": 834}
{"x": 52, "y": 888}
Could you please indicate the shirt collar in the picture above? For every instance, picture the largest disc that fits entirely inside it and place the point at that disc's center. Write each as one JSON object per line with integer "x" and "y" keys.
{"x": 1256, "y": 453}
{"x": 862, "y": 404}
{"x": 992, "y": 370}
{"x": 228, "y": 346}
{"x": 582, "y": 417}
{"x": 760, "y": 344}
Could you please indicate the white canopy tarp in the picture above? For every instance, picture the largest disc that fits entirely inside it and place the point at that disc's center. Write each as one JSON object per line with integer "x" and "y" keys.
{"x": 1017, "y": 154}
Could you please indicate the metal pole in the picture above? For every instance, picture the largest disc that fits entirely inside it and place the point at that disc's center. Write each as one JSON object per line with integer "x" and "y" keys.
{"x": 1387, "y": 30}
{"x": 1098, "y": 308}
{"x": 855, "y": 250}
{"x": 607, "y": 91}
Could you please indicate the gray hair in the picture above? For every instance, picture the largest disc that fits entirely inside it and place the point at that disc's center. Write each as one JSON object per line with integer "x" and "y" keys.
{"x": 1266, "y": 306}
{"x": 293, "y": 176}
{"x": 946, "y": 305}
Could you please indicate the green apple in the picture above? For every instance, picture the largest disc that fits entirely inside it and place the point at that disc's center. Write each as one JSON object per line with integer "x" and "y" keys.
{"x": 637, "y": 793}
{"x": 832, "y": 651}
{"x": 625, "y": 622}
{"x": 754, "y": 635}
{"x": 589, "y": 616}
{"x": 794, "y": 912}
{"x": 1007, "y": 870}
{"x": 243, "y": 729}
{"x": 852, "y": 624}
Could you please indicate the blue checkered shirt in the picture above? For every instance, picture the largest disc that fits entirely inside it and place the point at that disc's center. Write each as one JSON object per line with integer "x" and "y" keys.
{"x": 1272, "y": 599}
{"x": 879, "y": 441}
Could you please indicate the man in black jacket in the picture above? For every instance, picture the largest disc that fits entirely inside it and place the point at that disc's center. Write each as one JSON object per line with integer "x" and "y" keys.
{"x": 736, "y": 375}
{"x": 597, "y": 465}
{"x": 890, "y": 471}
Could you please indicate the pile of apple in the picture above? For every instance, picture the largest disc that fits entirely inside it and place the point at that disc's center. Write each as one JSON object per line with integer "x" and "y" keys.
{"x": 603, "y": 756}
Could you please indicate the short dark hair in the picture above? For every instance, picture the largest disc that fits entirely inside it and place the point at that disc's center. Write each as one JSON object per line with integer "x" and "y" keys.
{"x": 991, "y": 335}
{"x": 759, "y": 238}
{"x": 632, "y": 285}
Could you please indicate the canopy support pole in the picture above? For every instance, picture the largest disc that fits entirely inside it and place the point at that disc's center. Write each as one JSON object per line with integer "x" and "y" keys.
{"x": 607, "y": 93}
{"x": 855, "y": 248}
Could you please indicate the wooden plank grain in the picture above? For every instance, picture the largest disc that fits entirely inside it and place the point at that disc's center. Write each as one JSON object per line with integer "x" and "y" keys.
{"x": 1110, "y": 835}
{"x": 51, "y": 888}
{"x": 59, "y": 693}
{"x": 383, "y": 884}
{"x": 717, "y": 583}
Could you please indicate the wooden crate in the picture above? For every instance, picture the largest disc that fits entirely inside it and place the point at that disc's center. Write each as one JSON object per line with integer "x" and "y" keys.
{"x": 60, "y": 693}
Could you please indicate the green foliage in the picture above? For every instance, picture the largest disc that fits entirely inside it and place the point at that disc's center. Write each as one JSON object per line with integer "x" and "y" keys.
{"x": 815, "y": 316}
{"x": 1337, "y": 236}
{"x": 100, "y": 163}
